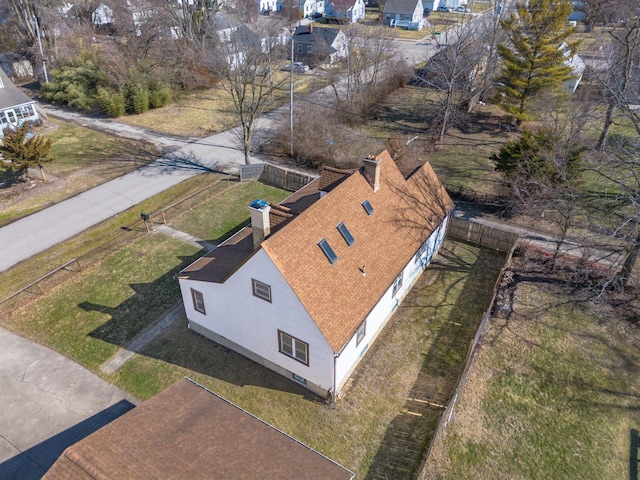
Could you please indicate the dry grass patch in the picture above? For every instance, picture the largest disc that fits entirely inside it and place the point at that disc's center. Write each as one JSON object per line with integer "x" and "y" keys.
{"x": 553, "y": 393}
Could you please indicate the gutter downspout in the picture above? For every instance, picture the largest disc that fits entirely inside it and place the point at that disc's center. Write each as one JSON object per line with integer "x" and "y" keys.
{"x": 334, "y": 396}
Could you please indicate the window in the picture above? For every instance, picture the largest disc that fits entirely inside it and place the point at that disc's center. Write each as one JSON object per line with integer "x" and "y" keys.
{"x": 397, "y": 283}
{"x": 294, "y": 348}
{"x": 420, "y": 252}
{"x": 346, "y": 234}
{"x": 3, "y": 118}
{"x": 362, "y": 331}
{"x": 308, "y": 48}
{"x": 328, "y": 251}
{"x": 299, "y": 47}
{"x": 261, "y": 290}
{"x": 367, "y": 206}
{"x": 198, "y": 301}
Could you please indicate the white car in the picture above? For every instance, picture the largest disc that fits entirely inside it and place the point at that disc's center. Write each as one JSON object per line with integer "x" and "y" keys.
{"x": 295, "y": 67}
{"x": 462, "y": 9}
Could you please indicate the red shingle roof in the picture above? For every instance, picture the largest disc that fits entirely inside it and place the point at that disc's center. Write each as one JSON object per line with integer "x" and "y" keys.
{"x": 187, "y": 432}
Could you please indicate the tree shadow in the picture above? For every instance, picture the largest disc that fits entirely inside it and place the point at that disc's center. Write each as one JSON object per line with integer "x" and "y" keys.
{"x": 180, "y": 161}
{"x": 409, "y": 434}
{"x": 34, "y": 462}
{"x": 177, "y": 345}
{"x": 10, "y": 178}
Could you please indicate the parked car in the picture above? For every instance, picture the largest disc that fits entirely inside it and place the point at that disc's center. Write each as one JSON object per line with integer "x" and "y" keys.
{"x": 316, "y": 15}
{"x": 442, "y": 8}
{"x": 295, "y": 67}
{"x": 462, "y": 9}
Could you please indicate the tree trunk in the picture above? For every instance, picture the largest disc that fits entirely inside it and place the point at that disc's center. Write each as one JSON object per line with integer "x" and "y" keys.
{"x": 630, "y": 261}
{"x": 608, "y": 121}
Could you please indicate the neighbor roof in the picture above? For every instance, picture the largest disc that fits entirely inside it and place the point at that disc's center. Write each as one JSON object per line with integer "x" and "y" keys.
{"x": 189, "y": 432}
{"x": 10, "y": 95}
{"x": 400, "y": 6}
{"x": 338, "y": 296}
{"x": 304, "y": 36}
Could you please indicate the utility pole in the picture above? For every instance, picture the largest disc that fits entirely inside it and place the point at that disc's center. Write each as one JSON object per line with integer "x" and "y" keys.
{"x": 291, "y": 101}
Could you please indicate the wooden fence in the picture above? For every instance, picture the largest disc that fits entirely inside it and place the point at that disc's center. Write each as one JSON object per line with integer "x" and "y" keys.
{"x": 479, "y": 234}
{"x": 472, "y": 233}
{"x": 281, "y": 177}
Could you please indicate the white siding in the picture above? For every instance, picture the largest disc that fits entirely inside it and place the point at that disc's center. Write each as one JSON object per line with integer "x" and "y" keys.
{"x": 234, "y": 313}
{"x": 380, "y": 314}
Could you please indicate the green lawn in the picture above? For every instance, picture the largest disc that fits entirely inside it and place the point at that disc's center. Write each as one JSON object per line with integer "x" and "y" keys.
{"x": 553, "y": 394}
{"x": 83, "y": 158}
{"x": 221, "y": 216}
{"x": 89, "y": 317}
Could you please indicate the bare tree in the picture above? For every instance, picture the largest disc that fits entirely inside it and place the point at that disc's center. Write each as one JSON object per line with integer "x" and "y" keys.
{"x": 619, "y": 75}
{"x": 370, "y": 70}
{"x": 244, "y": 60}
{"x": 456, "y": 72}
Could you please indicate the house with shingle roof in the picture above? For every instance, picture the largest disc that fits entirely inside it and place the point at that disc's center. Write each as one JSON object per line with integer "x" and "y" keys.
{"x": 314, "y": 45}
{"x": 406, "y": 13}
{"x": 15, "y": 107}
{"x": 189, "y": 432}
{"x": 344, "y": 10}
{"x": 310, "y": 284}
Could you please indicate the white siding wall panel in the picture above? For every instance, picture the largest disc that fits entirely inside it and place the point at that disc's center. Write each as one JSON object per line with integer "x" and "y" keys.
{"x": 234, "y": 313}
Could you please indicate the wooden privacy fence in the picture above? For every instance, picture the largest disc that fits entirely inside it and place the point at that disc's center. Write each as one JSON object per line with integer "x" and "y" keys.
{"x": 479, "y": 234}
{"x": 281, "y": 177}
{"x": 449, "y": 411}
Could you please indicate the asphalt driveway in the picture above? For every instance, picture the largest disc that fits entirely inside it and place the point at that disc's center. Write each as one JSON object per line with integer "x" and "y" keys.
{"x": 47, "y": 403}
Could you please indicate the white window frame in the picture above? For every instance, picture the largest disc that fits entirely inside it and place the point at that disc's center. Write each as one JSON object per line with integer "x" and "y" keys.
{"x": 397, "y": 284}
{"x": 198, "y": 301}
{"x": 261, "y": 290}
{"x": 293, "y": 347}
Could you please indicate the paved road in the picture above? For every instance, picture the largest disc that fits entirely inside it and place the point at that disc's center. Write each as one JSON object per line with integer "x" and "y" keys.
{"x": 48, "y": 403}
{"x": 40, "y": 231}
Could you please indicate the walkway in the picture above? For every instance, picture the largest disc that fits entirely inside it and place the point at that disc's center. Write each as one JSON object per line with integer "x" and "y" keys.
{"x": 48, "y": 403}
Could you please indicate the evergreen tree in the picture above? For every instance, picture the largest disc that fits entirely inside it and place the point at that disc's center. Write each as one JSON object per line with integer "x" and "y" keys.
{"x": 19, "y": 152}
{"x": 534, "y": 59}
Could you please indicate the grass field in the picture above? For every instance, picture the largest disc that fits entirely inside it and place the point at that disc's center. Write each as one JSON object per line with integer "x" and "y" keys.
{"x": 553, "y": 393}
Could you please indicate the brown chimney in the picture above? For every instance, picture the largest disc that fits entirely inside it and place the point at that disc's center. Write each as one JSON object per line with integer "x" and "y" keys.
{"x": 372, "y": 172}
{"x": 260, "y": 223}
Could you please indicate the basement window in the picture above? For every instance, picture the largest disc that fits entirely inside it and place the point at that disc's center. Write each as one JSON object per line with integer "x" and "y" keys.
{"x": 328, "y": 251}
{"x": 367, "y": 207}
{"x": 346, "y": 234}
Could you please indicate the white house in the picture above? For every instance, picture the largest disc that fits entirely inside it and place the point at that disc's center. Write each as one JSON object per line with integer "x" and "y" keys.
{"x": 577, "y": 65}
{"x": 15, "y": 107}
{"x": 102, "y": 16}
{"x": 307, "y": 288}
{"x": 404, "y": 13}
{"x": 345, "y": 10}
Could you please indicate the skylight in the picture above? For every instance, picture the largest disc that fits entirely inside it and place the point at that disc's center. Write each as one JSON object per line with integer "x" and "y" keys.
{"x": 328, "y": 251}
{"x": 346, "y": 234}
{"x": 367, "y": 206}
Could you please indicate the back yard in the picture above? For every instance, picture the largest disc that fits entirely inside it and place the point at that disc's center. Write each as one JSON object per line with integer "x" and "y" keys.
{"x": 554, "y": 391}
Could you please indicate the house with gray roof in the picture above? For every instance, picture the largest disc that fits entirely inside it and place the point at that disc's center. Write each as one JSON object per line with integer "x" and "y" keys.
{"x": 404, "y": 13}
{"x": 15, "y": 107}
{"x": 315, "y": 45}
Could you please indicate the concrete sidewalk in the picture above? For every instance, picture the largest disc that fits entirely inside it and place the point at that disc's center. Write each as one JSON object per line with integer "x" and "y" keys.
{"x": 46, "y": 228}
{"x": 48, "y": 403}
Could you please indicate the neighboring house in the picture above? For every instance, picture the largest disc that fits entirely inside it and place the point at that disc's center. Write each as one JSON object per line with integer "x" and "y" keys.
{"x": 306, "y": 289}
{"x": 314, "y": 45}
{"x": 577, "y": 66}
{"x": 102, "y": 16}
{"x": 404, "y": 13}
{"x": 344, "y": 10}
{"x": 15, "y": 107}
{"x": 578, "y": 14}
{"x": 312, "y": 7}
{"x": 189, "y": 432}
{"x": 266, "y": 6}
